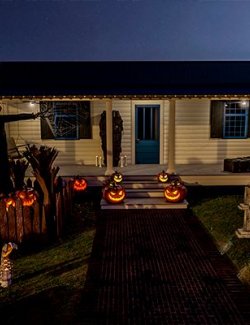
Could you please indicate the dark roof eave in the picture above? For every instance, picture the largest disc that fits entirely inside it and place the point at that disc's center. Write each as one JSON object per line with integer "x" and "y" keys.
{"x": 25, "y": 92}
{"x": 124, "y": 78}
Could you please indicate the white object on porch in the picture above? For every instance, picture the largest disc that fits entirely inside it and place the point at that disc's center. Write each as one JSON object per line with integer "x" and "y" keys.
{"x": 244, "y": 232}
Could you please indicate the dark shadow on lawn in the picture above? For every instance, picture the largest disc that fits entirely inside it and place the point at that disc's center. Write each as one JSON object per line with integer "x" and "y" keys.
{"x": 55, "y": 270}
{"x": 52, "y": 306}
{"x": 86, "y": 313}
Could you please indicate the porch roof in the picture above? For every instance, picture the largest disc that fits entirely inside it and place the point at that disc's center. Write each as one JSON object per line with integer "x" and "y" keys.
{"x": 125, "y": 79}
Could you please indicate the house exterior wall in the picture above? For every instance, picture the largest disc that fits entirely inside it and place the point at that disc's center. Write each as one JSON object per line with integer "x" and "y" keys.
{"x": 125, "y": 109}
{"x": 193, "y": 142}
{"x": 81, "y": 151}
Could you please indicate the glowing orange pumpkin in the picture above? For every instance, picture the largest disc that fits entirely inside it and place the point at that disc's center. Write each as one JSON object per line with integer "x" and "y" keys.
{"x": 175, "y": 192}
{"x": 80, "y": 184}
{"x": 114, "y": 193}
{"x": 116, "y": 177}
{"x": 10, "y": 201}
{"x": 163, "y": 177}
{"x": 28, "y": 196}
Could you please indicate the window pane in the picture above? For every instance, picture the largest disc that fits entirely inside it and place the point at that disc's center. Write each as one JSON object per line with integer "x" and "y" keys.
{"x": 147, "y": 123}
{"x": 156, "y": 124}
{"x": 140, "y": 123}
{"x": 66, "y": 120}
{"x": 235, "y": 119}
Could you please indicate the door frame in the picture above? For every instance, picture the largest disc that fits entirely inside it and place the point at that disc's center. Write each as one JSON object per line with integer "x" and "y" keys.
{"x": 162, "y": 105}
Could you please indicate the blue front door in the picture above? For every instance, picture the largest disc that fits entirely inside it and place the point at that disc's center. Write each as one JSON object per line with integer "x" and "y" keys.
{"x": 147, "y": 134}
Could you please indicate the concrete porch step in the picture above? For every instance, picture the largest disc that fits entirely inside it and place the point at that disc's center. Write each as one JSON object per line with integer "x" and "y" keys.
{"x": 154, "y": 192}
{"x": 143, "y": 185}
{"x": 139, "y": 178}
{"x": 144, "y": 203}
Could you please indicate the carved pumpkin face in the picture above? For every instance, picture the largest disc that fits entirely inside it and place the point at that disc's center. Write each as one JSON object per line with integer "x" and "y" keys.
{"x": 114, "y": 193}
{"x": 175, "y": 192}
{"x": 117, "y": 177}
{"x": 163, "y": 177}
{"x": 27, "y": 196}
{"x": 10, "y": 201}
{"x": 80, "y": 184}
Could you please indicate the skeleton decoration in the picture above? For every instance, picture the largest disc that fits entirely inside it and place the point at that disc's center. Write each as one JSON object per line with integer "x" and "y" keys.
{"x": 6, "y": 265}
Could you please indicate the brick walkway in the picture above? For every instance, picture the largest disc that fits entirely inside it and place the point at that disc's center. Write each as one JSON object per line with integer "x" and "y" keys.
{"x": 159, "y": 267}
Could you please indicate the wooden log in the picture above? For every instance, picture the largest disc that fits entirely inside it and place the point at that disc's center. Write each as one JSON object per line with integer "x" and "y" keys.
{"x": 4, "y": 231}
{"x": 70, "y": 196}
{"x": 19, "y": 220}
{"x": 66, "y": 203}
{"x": 43, "y": 221}
{"x": 59, "y": 213}
{"x": 36, "y": 219}
{"x": 12, "y": 224}
{"x": 27, "y": 220}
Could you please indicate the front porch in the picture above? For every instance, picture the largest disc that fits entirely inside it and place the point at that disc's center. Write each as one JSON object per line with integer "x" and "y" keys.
{"x": 192, "y": 174}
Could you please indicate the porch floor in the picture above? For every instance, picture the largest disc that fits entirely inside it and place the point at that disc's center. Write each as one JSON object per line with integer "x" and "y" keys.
{"x": 152, "y": 169}
{"x": 193, "y": 174}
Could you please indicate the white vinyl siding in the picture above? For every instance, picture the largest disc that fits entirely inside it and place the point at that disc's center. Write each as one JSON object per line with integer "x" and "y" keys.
{"x": 124, "y": 107}
{"x": 81, "y": 151}
{"x": 193, "y": 141}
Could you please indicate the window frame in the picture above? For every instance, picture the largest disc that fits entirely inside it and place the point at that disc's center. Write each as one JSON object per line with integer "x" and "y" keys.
{"x": 217, "y": 119}
{"x": 239, "y": 114}
{"x": 82, "y": 114}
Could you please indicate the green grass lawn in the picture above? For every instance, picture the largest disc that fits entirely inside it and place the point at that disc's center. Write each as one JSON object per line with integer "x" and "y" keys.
{"x": 222, "y": 218}
{"x": 47, "y": 285}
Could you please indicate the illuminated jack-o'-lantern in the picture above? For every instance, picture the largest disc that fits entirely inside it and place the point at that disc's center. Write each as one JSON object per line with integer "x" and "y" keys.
{"x": 28, "y": 196}
{"x": 163, "y": 177}
{"x": 116, "y": 177}
{"x": 10, "y": 201}
{"x": 114, "y": 193}
{"x": 175, "y": 191}
{"x": 80, "y": 184}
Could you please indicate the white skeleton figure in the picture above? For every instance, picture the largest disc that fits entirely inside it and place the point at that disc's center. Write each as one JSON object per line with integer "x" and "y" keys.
{"x": 6, "y": 265}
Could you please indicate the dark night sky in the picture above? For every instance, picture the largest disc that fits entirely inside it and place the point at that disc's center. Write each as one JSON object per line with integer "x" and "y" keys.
{"x": 74, "y": 30}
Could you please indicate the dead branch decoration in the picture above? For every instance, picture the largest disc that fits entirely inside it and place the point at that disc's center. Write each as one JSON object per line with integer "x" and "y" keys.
{"x": 41, "y": 160}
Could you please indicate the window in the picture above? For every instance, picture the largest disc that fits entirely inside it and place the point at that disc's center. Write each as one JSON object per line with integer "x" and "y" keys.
{"x": 147, "y": 122}
{"x": 230, "y": 119}
{"x": 65, "y": 120}
{"x": 235, "y": 119}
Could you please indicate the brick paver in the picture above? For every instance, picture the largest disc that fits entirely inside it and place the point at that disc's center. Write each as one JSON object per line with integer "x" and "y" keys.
{"x": 159, "y": 267}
